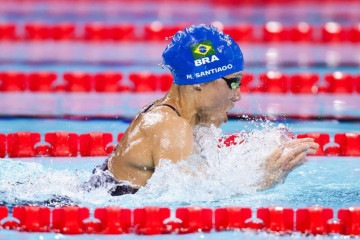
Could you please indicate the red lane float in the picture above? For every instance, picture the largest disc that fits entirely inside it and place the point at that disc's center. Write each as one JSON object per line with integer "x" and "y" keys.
{"x": 37, "y": 31}
{"x": 42, "y": 81}
{"x": 157, "y": 31}
{"x": 8, "y": 31}
{"x": 240, "y": 32}
{"x": 109, "y": 82}
{"x": 304, "y": 83}
{"x": 333, "y": 32}
{"x": 96, "y": 32}
{"x": 272, "y": 31}
{"x": 165, "y": 82}
{"x": 94, "y": 144}
{"x": 40, "y": 31}
{"x": 274, "y": 82}
{"x": 6, "y": 223}
{"x": 144, "y": 81}
{"x": 69, "y": 220}
{"x": 275, "y": 32}
{"x": 349, "y": 144}
{"x": 67, "y": 144}
{"x": 194, "y": 219}
{"x": 302, "y": 32}
{"x": 231, "y": 218}
{"x": 77, "y": 81}
{"x": 157, "y": 220}
{"x": 351, "y": 220}
{"x": 277, "y": 219}
{"x": 150, "y": 220}
{"x": 32, "y": 219}
{"x": 2, "y": 145}
{"x": 62, "y": 144}
{"x": 3, "y": 213}
{"x": 63, "y": 31}
{"x": 91, "y": 226}
{"x": 12, "y": 81}
{"x": 313, "y": 220}
{"x": 123, "y": 32}
{"x": 339, "y": 82}
{"x": 114, "y": 220}
{"x": 22, "y": 144}
{"x": 355, "y": 33}
{"x": 246, "y": 80}
{"x": 335, "y": 227}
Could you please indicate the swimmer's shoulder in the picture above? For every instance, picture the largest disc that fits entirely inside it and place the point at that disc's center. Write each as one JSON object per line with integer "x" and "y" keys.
{"x": 164, "y": 120}
{"x": 162, "y": 114}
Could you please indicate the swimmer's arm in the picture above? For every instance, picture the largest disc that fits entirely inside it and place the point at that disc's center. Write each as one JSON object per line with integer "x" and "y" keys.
{"x": 286, "y": 158}
{"x": 173, "y": 140}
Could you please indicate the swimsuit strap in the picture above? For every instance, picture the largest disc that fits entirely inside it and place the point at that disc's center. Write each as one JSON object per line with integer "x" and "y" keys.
{"x": 146, "y": 108}
{"x": 172, "y": 107}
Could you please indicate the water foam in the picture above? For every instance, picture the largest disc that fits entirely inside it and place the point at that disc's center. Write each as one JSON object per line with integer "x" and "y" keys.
{"x": 216, "y": 172}
{"x": 213, "y": 173}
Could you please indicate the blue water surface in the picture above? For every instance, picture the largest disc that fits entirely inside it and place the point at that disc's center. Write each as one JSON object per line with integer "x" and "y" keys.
{"x": 326, "y": 181}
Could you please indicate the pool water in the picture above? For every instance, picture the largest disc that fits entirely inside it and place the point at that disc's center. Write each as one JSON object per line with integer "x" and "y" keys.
{"x": 323, "y": 180}
{"x": 231, "y": 173}
{"x": 53, "y": 182}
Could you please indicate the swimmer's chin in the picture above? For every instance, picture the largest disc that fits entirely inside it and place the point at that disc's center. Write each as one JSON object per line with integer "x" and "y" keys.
{"x": 226, "y": 118}
{"x": 221, "y": 121}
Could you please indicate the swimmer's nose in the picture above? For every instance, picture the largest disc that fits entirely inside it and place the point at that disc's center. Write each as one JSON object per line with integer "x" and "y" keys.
{"x": 237, "y": 95}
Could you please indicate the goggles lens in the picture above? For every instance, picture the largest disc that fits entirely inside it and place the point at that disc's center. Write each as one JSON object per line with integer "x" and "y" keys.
{"x": 233, "y": 83}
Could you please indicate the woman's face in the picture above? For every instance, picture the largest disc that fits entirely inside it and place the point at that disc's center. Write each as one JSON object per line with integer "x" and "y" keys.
{"x": 219, "y": 96}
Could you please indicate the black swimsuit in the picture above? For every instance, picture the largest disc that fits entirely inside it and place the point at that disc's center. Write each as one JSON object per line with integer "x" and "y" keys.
{"x": 101, "y": 177}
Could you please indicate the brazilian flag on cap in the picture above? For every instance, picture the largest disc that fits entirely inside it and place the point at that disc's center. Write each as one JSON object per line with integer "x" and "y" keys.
{"x": 202, "y": 49}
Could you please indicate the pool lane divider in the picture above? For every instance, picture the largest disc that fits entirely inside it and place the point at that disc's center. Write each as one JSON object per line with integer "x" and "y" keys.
{"x": 271, "y": 31}
{"x": 151, "y": 220}
{"x": 111, "y": 82}
{"x": 69, "y": 144}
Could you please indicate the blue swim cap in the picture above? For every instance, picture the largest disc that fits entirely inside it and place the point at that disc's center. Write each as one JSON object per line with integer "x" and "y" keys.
{"x": 201, "y": 54}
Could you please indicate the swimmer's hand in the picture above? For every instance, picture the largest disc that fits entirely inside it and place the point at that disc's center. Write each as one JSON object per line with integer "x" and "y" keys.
{"x": 286, "y": 158}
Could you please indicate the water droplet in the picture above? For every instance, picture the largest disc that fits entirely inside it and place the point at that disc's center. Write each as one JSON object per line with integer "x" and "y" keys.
{"x": 162, "y": 65}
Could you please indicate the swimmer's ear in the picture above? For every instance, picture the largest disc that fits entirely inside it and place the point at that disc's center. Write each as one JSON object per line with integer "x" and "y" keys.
{"x": 197, "y": 87}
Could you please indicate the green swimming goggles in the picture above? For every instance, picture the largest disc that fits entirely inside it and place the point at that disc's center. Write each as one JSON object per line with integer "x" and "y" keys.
{"x": 233, "y": 83}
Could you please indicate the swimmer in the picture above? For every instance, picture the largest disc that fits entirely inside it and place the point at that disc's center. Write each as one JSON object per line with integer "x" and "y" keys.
{"x": 207, "y": 67}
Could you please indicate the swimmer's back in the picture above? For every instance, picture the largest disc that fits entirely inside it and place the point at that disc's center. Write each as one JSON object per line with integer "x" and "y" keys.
{"x": 153, "y": 135}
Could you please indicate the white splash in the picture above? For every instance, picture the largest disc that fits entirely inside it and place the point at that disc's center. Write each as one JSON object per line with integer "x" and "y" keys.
{"x": 213, "y": 173}
{"x": 30, "y": 181}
